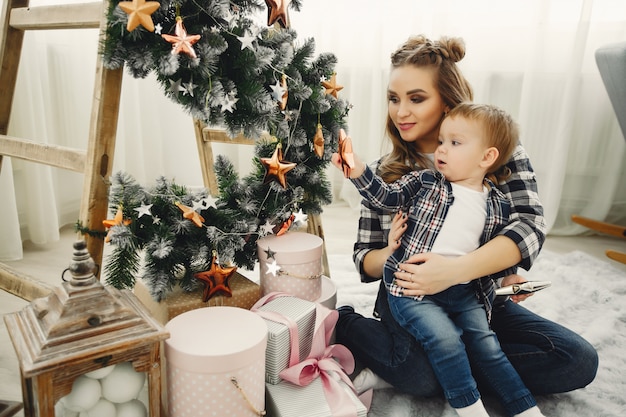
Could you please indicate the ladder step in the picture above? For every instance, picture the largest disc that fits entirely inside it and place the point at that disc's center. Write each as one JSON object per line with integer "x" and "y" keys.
{"x": 53, "y": 155}
{"x": 220, "y": 135}
{"x": 63, "y": 16}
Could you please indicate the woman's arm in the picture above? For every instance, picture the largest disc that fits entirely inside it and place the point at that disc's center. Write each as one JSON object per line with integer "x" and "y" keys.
{"x": 429, "y": 273}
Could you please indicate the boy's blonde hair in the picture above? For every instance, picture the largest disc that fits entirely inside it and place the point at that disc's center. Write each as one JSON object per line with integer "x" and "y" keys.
{"x": 501, "y": 132}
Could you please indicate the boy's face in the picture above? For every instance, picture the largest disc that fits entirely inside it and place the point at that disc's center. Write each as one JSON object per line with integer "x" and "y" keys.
{"x": 460, "y": 156}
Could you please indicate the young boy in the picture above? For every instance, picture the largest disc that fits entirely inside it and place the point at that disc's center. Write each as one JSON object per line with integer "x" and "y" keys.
{"x": 451, "y": 211}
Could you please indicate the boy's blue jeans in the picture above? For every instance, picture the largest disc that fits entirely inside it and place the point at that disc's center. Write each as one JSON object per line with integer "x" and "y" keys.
{"x": 451, "y": 326}
{"x": 549, "y": 357}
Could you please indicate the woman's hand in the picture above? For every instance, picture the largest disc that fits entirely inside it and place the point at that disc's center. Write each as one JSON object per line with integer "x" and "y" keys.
{"x": 429, "y": 273}
{"x": 515, "y": 279}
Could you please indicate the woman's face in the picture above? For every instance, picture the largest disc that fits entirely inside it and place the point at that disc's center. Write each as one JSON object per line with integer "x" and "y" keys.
{"x": 415, "y": 106}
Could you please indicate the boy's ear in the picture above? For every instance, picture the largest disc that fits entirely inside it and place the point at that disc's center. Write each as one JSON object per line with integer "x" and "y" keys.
{"x": 490, "y": 157}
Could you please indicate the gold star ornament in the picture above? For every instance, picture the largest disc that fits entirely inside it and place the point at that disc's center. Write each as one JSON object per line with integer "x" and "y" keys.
{"x": 139, "y": 13}
{"x": 331, "y": 86}
{"x": 318, "y": 142}
{"x": 276, "y": 168}
{"x": 190, "y": 214}
{"x": 182, "y": 42}
{"x": 117, "y": 221}
{"x": 216, "y": 280}
{"x": 277, "y": 11}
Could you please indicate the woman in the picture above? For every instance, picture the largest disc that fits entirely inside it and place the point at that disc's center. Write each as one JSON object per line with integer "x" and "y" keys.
{"x": 424, "y": 83}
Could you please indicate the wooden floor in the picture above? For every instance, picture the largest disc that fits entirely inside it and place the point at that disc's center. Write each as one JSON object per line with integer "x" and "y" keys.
{"x": 47, "y": 262}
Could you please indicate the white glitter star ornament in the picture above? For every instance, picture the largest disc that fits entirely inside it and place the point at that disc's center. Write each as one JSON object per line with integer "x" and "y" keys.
{"x": 144, "y": 209}
{"x": 273, "y": 268}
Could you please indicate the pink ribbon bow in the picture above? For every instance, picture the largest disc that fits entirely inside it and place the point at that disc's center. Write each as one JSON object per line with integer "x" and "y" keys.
{"x": 329, "y": 363}
{"x": 335, "y": 360}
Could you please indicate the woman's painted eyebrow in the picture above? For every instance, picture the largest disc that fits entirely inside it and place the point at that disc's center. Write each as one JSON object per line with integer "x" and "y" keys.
{"x": 417, "y": 90}
{"x": 408, "y": 93}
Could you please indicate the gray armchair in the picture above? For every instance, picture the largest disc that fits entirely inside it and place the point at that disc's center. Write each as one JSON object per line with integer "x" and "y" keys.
{"x": 611, "y": 61}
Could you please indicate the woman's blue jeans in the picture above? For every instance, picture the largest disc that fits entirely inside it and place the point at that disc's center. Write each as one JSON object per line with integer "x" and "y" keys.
{"x": 451, "y": 326}
{"x": 549, "y": 357}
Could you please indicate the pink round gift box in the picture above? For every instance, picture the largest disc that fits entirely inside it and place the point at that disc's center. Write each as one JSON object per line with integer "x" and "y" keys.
{"x": 299, "y": 255}
{"x": 208, "y": 349}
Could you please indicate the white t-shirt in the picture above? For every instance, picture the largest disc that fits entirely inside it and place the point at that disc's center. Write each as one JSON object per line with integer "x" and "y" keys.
{"x": 464, "y": 224}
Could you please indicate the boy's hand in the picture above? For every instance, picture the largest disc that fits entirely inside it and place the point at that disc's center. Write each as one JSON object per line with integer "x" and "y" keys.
{"x": 345, "y": 159}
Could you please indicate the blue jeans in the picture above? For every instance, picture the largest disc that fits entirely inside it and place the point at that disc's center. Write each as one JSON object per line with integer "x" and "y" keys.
{"x": 548, "y": 357}
{"x": 452, "y": 327}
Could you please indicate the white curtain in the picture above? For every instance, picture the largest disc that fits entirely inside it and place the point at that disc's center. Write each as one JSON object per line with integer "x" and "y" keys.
{"x": 535, "y": 58}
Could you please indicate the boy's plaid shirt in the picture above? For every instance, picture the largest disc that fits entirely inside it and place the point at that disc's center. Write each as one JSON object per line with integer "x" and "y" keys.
{"x": 526, "y": 225}
{"x": 426, "y": 197}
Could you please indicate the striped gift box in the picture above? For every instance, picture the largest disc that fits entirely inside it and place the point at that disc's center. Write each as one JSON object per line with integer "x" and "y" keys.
{"x": 289, "y": 400}
{"x": 278, "y": 337}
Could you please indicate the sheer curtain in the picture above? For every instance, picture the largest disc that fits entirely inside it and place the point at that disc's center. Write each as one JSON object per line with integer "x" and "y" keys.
{"x": 535, "y": 58}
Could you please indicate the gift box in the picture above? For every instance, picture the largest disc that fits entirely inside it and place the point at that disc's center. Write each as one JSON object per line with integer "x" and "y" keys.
{"x": 215, "y": 363}
{"x": 329, "y": 293}
{"x": 290, "y": 400}
{"x": 279, "y": 355}
{"x": 291, "y": 263}
{"x": 245, "y": 294}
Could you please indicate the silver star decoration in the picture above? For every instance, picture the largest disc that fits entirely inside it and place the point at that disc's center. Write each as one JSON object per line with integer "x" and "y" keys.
{"x": 156, "y": 220}
{"x": 229, "y": 103}
{"x": 267, "y": 228}
{"x": 158, "y": 28}
{"x": 230, "y": 18}
{"x": 198, "y": 205}
{"x": 300, "y": 217}
{"x": 210, "y": 201}
{"x": 246, "y": 41}
{"x": 273, "y": 268}
{"x": 144, "y": 209}
{"x": 270, "y": 253}
{"x": 189, "y": 87}
{"x": 176, "y": 87}
{"x": 277, "y": 91}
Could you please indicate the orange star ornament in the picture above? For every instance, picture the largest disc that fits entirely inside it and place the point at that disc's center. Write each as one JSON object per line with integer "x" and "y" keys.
{"x": 182, "y": 42}
{"x": 285, "y": 226}
{"x": 118, "y": 220}
{"x": 139, "y": 12}
{"x": 277, "y": 11}
{"x": 190, "y": 214}
{"x": 331, "y": 86}
{"x": 285, "y": 96}
{"x": 318, "y": 142}
{"x": 346, "y": 154}
{"x": 276, "y": 168}
{"x": 216, "y": 280}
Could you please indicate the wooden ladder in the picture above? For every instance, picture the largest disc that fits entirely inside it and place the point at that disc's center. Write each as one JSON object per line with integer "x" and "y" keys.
{"x": 96, "y": 161}
{"x": 205, "y": 136}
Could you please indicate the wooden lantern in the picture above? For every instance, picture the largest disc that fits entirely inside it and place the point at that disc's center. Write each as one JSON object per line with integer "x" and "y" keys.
{"x": 83, "y": 326}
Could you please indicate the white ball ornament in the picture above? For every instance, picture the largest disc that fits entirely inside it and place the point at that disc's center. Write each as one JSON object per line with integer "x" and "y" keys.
{"x": 85, "y": 394}
{"x": 100, "y": 373}
{"x": 133, "y": 408}
{"x": 103, "y": 408}
{"x": 61, "y": 411}
{"x": 123, "y": 384}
